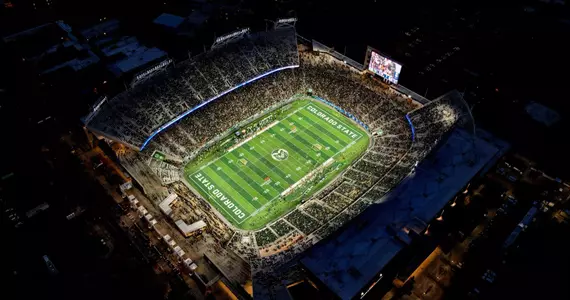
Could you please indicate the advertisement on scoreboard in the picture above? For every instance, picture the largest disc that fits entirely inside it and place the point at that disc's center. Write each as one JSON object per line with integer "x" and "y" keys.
{"x": 384, "y": 67}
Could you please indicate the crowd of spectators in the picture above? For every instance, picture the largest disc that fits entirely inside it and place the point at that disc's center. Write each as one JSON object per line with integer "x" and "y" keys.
{"x": 134, "y": 115}
{"x": 336, "y": 201}
{"x": 281, "y": 228}
{"x": 305, "y": 223}
{"x": 318, "y": 211}
{"x": 264, "y": 237}
{"x": 166, "y": 172}
{"x": 382, "y": 109}
{"x": 216, "y": 118}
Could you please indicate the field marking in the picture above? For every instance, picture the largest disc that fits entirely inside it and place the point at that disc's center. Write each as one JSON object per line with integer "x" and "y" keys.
{"x": 249, "y": 166}
{"x": 337, "y": 121}
{"x": 316, "y": 134}
{"x": 234, "y": 180}
{"x": 275, "y": 165}
{"x": 308, "y": 176}
{"x": 211, "y": 198}
{"x": 258, "y": 159}
{"x": 291, "y": 156}
{"x": 232, "y": 148}
{"x": 350, "y": 144}
{"x": 310, "y": 128}
{"x": 241, "y": 179}
{"x": 291, "y": 136}
{"x": 213, "y": 161}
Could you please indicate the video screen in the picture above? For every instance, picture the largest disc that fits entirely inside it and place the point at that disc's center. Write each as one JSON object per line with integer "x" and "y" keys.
{"x": 384, "y": 67}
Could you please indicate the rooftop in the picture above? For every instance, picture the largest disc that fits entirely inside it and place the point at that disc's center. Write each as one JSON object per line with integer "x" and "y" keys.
{"x": 138, "y": 58}
{"x": 51, "y": 47}
{"x": 188, "y": 229}
{"x": 100, "y": 29}
{"x": 169, "y": 20}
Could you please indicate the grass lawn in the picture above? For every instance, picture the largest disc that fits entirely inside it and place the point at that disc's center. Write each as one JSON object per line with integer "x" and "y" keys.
{"x": 260, "y": 178}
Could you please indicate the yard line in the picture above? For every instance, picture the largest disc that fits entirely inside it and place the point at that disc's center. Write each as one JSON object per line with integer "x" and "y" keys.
{"x": 247, "y": 180}
{"x": 213, "y": 161}
{"x": 306, "y": 130}
{"x": 261, "y": 174}
{"x": 289, "y": 166}
{"x": 232, "y": 184}
{"x": 244, "y": 176}
{"x": 261, "y": 158}
{"x": 285, "y": 166}
{"x": 337, "y": 135}
{"x": 308, "y": 124}
{"x": 307, "y": 150}
{"x": 336, "y": 118}
{"x": 269, "y": 164}
{"x": 230, "y": 191}
{"x": 216, "y": 203}
{"x": 257, "y": 158}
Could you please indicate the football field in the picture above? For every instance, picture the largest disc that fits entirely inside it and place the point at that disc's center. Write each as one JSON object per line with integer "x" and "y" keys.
{"x": 258, "y": 179}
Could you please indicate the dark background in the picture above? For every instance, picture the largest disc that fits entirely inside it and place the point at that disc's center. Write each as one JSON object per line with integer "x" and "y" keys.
{"x": 511, "y": 53}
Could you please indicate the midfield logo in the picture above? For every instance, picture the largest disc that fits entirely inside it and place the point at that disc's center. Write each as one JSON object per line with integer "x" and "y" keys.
{"x": 280, "y": 154}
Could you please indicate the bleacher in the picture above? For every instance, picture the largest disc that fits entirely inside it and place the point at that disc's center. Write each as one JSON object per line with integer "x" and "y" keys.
{"x": 136, "y": 115}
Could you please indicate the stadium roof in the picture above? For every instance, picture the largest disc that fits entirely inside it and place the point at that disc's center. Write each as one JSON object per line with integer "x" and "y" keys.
{"x": 135, "y": 116}
{"x": 188, "y": 229}
{"x": 100, "y": 29}
{"x": 197, "y": 18}
{"x": 350, "y": 259}
{"x": 169, "y": 20}
{"x": 542, "y": 114}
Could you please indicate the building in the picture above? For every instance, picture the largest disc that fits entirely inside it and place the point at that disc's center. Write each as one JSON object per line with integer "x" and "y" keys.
{"x": 165, "y": 204}
{"x": 124, "y": 56}
{"x": 51, "y": 47}
{"x": 189, "y": 230}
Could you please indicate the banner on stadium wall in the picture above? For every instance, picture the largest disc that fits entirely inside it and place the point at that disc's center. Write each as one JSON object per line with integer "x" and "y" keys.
{"x": 151, "y": 71}
{"x": 288, "y": 20}
{"x": 238, "y": 34}
{"x": 343, "y": 112}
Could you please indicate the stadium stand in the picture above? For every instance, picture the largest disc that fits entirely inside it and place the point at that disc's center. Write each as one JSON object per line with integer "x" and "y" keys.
{"x": 166, "y": 172}
{"x": 135, "y": 116}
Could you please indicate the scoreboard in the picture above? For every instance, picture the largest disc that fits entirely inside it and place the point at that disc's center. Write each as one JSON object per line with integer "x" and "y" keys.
{"x": 382, "y": 66}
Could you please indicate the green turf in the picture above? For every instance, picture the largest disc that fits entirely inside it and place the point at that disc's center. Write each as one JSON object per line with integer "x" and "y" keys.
{"x": 248, "y": 184}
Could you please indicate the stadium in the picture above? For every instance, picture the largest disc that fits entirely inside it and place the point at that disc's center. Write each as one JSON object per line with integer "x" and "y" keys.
{"x": 277, "y": 143}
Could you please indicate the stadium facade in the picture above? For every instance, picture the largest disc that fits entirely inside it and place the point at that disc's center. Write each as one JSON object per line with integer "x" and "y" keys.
{"x": 345, "y": 233}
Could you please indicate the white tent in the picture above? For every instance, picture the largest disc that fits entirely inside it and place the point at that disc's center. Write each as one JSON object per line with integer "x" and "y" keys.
{"x": 165, "y": 204}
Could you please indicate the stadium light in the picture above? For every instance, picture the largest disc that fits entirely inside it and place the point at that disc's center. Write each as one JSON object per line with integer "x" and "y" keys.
{"x": 184, "y": 114}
